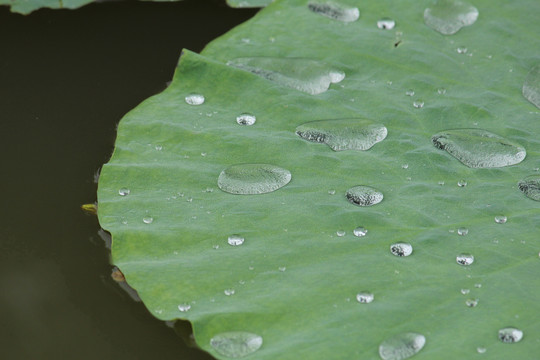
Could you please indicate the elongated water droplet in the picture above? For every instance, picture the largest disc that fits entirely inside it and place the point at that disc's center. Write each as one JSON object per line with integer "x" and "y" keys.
{"x": 184, "y": 307}
{"x": 334, "y": 10}
{"x": 310, "y": 76}
{"x": 462, "y": 231}
{"x": 364, "y": 297}
{"x": 364, "y": 195}
{"x": 343, "y": 134}
{"x": 530, "y": 186}
{"x": 235, "y": 240}
{"x": 478, "y": 148}
{"x": 253, "y": 178}
{"x": 465, "y": 259}
{"x": 500, "y": 219}
{"x": 531, "y": 86}
{"x": 418, "y": 104}
{"x": 124, "y": 192}
{"x": 401, "y": 249}
{"x": 401, "y": 346}
{"x": 195, "y": 99}
{"x": 360, "y": 231}
{"x": 510, "y": 335}
{"x": 147, "y": 219}
{"x": 246, "y": 119}
{"x": 386, "y": 24}
{"x": 236, "y": 344}
{"x": 448, "y": 16}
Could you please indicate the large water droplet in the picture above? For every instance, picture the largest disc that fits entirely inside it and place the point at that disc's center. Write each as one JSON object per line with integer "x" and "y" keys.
{"x": 246, "y": 119}
{"x": 510, "y": 335}
{"x": 236, "y": 344}
{"x": 530, "y": 186}
{"x": 401, "y": 249}
{"x": 531, "y": 86}
{"x": 364, "y": 297}
{"x": 195, "y": 99}
{"x": 386, "y": 24}
{"x": 235, "y": 240}
{"x": 360, "y": 231}
{"x": 344, "y": 134}
{"x": 401, "y": 346}
{"x": 465, "y": 259}
{"x": 334, "y": 10}
{"x": 364, "y": 195}
{"x": 478, "y": 148}
{"x": 448, "y": 16}
{"x": 501, "y": 219}
{"x": 124, "y": 191}
{"x": 253, "y": 178}
{"x": 310, "y": 76}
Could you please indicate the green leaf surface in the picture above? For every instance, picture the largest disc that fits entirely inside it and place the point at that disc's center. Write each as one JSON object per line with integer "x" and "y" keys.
{"x": 295, "y": 280}
{"x": 27, "y": 6}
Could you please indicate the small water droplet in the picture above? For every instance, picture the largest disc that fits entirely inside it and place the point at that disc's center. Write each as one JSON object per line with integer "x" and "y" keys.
{"x": 409, "y": 92}
{"x": 462, "y": 183}
{"x": 471, "y": 302}
{"x": 461, "y": 50}
{"x": 158, "y": 147}
{"x": 364, "y": 297}
{"x": 195, "y": 99}
{"x": 386, "y": 24}
{"x": 215, "y": 246}
{"x": 418, "y": 104}
{"x": 360, "y": 231}
{"x": 332, "y": 192}
{"x": 531, "y": 86}
{"x": 481, "y": 350}
{"x": 364, "y": 195}
{"x": 530, "y": 186}
{"x": 478, "y": 286}
{"x": 462, "y": 231}
{"x": 465, "y": 259}
{"x": 465, "y": 291}
{"x": 282, "y": 268}
{"x": 124, "y": 192}
{"x": 478, "y": 148}
{"x": 334, "y": 10}
{"x": 401, "y": 249}
{"x": 147, "y": 219}
{"x": 343, "y": 134}
{"x": 405, "y": 166}
{"x": 441, "y": 183}
{"x": 246, "y": 119}
{"x": 510, "y": 335}
{"x": 401, "y": 346}
{"x": 340, "y": 233}
{"x": 500, "y": 219}
{"x": 235, "y": 240}
{"x": 448, "y": 16}
{"x": 253, "y": 179}
{"x": 236, "y": 344}
{"x": 441, "y": 91}
{"x": 229, "y": 292}
{"x": 184, "y": 307}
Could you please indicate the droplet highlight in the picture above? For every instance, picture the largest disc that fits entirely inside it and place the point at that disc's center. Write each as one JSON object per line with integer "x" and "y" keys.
{"x": 465, "y": 259}
{"x": 510, "y": 335}
{"x": 250, "y": 179}
{"x": 448, "y": 16}
{"x": 194, "y": 99}
{"x": 530, "y": 186}
{"x": 246, "y": 119}
{"x": 531, "y": 86}
{"x": 401, "y": 346}
{"x": 478, "y": 148}
{"x": 235, "y": 240}
{"x": 360, "y": 231}
{"x": 236, "y": 344}
{"x": 334, "y": 10}
{"x": 364, "y": 297}
{"x": 364, "y": 195}
{"x": 386, "y": 24}
{"x": 401, "y": 249}
{"x": 343, "y": 134}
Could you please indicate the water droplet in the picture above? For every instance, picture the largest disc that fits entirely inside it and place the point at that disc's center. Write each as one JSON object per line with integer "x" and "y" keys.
{"x": 310, "y": 76}
{"x": 448, "y": 16}
{"x": 510, "y": 335}
{"x": 461, "y": 50}
{"x": 364, "y": 195}
{"x": 364, "y": 297}
{"x": 124, "y": 192}
{"x": 441, "y": 91}
{"x": 462, "y": 231}
{"x": 236, "y": 344}
{"x": 360, "y": 231}
{"x": 401, "y": 249}
{"x": 462, "y": 183}
{"x": 418, "y": 104}
{"x": 253, "y": 178}
{"x": 500, "y": 219}
{"x": 531, "y": 86}
{"x": 235, "y": 240}
{"x": 401, "y": 346}
{"x": 282, "y": 268}
{"x": 229, "y": 292}
{"x": 184, "y": 307}
{"x": 334, "y": 10}
{"x": 195, "y": 99}
{"x": 246, "y": 119}
{"x": 465, "y": 291}
{"x": 340, "y": 233}
{"x": 530, "y": 186}
{"x": 409, "y": 92}
{"x": 147, "y": 219}
{"x": 405, "y": 166}
{"x": 465, "y": 259}
{"x": 386, "y": 24}
{"x": 481, "y": 350}
{"x": 158, "y": 147}
{"x": 332, "y": 192}
{"x": 343, "y": 134}
{"x": 441, "y": 183}
{"x": 478, "y": 286}
{"x": 471, "y": 302}
{"x": 478, "y": 148}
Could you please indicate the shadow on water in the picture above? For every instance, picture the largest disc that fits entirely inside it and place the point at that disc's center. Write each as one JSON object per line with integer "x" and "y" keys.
{"x": 66, "y": 78}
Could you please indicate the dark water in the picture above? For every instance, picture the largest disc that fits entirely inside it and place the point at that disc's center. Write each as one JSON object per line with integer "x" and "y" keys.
{"x": 66, "y": 79}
